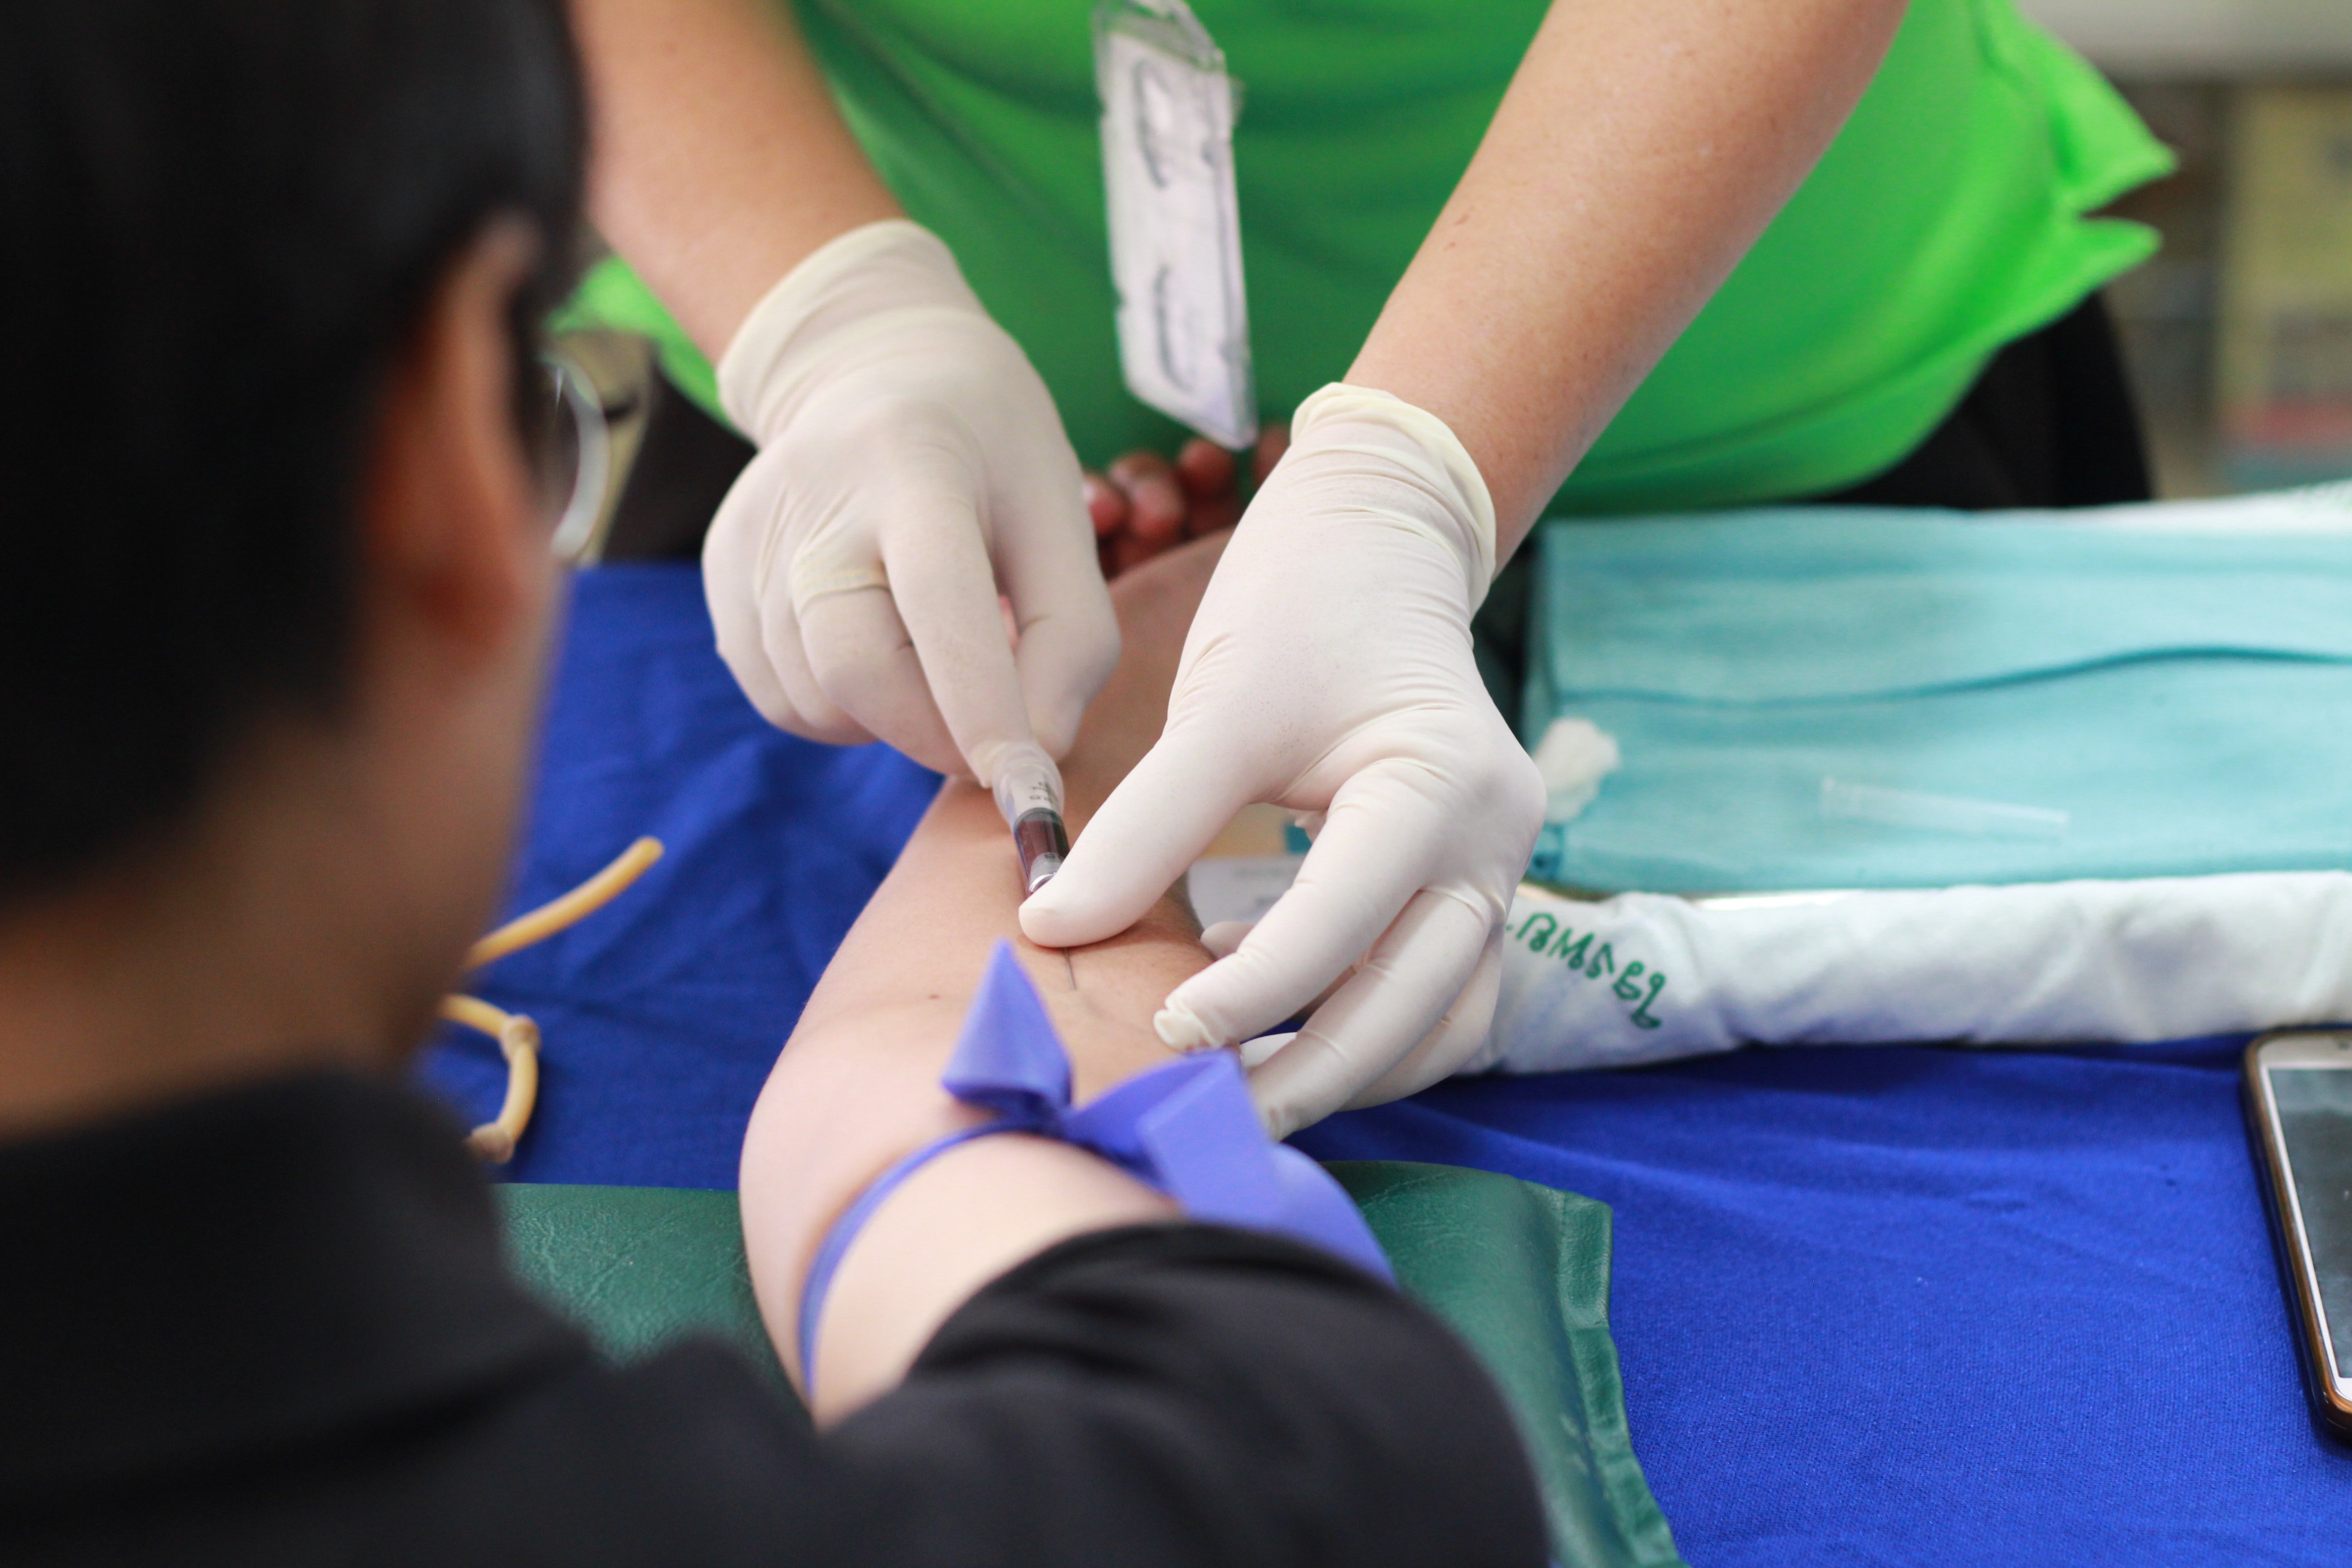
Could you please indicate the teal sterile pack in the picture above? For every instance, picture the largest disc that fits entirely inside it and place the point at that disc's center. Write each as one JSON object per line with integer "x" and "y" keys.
{"x": 1840, "y": 696}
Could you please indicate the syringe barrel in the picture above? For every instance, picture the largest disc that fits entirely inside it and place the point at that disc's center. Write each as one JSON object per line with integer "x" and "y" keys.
{"x": 1029, "y": 795}
{"x": 1042, "y": 842}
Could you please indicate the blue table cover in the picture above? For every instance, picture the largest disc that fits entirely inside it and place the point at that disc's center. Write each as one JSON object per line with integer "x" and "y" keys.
{"x": 2185, "y": 699}
{"x": 1894, "y": 1306}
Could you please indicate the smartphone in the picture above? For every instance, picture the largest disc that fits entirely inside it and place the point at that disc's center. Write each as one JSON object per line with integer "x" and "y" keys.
{"x": 2299, "y": 1110}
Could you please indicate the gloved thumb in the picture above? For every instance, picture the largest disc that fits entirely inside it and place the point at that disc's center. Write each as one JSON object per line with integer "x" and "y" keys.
{"x": 1148, "y": 833}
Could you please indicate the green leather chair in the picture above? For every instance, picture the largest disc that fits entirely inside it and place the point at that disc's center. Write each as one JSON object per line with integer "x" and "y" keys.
{"x": 1519, "y": 1270}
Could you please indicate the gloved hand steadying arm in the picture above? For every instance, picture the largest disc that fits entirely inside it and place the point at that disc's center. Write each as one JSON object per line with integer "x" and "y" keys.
{"x": 1328, "y": 670}
{"x": 911, "y": 463}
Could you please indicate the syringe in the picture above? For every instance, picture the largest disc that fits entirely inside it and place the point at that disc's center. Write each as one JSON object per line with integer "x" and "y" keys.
{"x": 1029, "y": 794}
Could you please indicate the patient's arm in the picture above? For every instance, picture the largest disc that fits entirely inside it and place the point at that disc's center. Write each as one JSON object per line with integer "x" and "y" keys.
{"x": 857, "y": 1084}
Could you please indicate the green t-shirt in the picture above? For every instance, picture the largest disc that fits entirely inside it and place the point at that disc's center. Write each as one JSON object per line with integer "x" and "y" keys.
{"x": 1945, "y": 220}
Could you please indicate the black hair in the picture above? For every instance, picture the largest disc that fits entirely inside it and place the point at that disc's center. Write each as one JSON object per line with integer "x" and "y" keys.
{"x": 219, "y": 221}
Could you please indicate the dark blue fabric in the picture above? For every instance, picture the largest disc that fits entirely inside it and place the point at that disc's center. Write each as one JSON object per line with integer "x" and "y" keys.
{"x": 1910, "y": 1305}
{"x": 1894, "y": 1306}
{"x": 662, "y": 1013}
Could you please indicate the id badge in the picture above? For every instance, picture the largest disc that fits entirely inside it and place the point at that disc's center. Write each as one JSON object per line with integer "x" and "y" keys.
{"x": 1175, "y": 226}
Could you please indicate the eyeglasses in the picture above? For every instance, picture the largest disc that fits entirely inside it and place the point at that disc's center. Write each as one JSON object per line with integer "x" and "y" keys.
{"x": 574, "y": 459}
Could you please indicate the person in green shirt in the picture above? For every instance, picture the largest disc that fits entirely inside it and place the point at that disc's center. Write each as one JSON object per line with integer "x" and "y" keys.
{"x": 1594, "y": 255}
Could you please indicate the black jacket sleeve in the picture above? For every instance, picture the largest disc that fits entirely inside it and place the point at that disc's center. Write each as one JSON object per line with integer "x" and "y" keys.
{"x": 1184, "y": 1395}
{"x": 273, "y": 1328}
{"x": 1169, "y": 1396}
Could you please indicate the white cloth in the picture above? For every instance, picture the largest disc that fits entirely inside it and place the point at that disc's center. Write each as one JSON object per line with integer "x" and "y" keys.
{"x": 911, "y": 466}
{"x": 1328, "y": 670}
{"x": 1642, "y": 977}
{"x": 1574, "y": 756}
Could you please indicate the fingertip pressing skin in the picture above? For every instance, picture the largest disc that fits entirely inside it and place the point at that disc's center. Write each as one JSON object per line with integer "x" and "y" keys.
{"x": 1180, "y": 1029}
{"x": 1224, "y": 937}
{"x": 1045, "y": 922}
{"x": 1048, "y": 919}
{"x": 1149, "y": 828}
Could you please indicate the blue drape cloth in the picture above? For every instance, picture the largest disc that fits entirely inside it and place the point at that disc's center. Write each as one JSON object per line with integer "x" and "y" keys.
{"x": 2186, "y": 701}
{"x": 1889, "y": 1307}
{"x": 662, "y": 1013}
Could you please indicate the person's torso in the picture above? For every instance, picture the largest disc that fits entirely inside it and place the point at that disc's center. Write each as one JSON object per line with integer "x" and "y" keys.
{"x": 1945, "y": 220}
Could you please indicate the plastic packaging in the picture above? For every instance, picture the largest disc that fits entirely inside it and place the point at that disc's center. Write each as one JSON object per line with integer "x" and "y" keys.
{"x": 1175, "y": 222}
{"x": 1939, "y": 812}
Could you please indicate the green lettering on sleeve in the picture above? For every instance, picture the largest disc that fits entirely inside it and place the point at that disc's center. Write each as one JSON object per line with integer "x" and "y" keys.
{"x": 1642, "y": 1014}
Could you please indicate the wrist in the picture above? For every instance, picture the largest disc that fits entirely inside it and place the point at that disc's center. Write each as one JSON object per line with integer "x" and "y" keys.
{"x": 848, "y": 287}
{"x": 1425, "y": 452}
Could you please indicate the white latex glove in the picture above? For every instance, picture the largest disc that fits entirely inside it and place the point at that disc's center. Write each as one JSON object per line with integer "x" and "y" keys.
{"x": 1328, "y": 670}
{"x": 911, "y": 463}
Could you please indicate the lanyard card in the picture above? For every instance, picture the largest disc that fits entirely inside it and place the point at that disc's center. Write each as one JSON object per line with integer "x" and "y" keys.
{"x": 1175, "y": 224}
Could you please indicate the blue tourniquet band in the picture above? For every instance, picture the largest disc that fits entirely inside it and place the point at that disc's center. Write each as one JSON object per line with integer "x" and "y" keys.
{"x": 835, "y": 1246}
{"x": 1186, "y": 1128}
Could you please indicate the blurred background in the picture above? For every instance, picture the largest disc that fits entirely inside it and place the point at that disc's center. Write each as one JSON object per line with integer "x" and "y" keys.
{"x": 2239, "y": 334}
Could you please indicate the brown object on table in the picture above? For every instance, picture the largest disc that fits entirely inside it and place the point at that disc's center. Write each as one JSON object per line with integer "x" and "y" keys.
{"x": 515, "y": 1033}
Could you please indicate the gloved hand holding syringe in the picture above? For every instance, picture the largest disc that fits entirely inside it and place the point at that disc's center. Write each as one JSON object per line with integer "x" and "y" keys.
{"x": 911, "y": 467}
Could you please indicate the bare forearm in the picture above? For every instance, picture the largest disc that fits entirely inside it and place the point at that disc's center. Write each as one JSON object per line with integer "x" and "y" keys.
{"x": 857, "y": 1086}
{"x": 1642, "y": 146}
{"x": 719, "y": 159}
